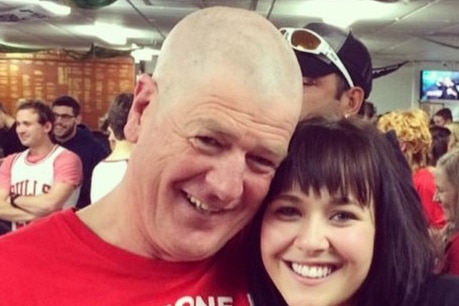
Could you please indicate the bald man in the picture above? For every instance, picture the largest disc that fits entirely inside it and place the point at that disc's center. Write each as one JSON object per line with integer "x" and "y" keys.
{"x": 210, "y": 127}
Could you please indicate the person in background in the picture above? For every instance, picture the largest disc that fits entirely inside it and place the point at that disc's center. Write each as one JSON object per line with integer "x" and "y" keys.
{"x": 101, "y": 134}
{"x": 447, "y": 193}
{"x": 453, "y": 127}
{"x": 338, "y": 229}
{"x": 9, "y": 144}
{"x": 335, "y": 82}
{"x": 207, "y": 144}
{"x": 42, "y": 179}
{"x": 412, "y": 130}
{"x": 442, "y": 142}
{"x": 368, "y": 112}
{"x": 109, "y": 172}
{"x": 443, "y": 117}
{"x": 9, "y": 140}
{"x": 71, "y": 134}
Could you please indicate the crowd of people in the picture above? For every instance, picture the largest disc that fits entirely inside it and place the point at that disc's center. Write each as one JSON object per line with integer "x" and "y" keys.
{"x": 248, "y": 180}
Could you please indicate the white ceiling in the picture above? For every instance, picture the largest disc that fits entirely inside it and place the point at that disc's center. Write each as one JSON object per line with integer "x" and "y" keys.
{"x": 417, "y": 30}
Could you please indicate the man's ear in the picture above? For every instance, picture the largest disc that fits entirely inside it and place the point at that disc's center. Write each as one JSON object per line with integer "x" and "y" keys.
{"x": 145, "y": 89}
{"x": 48, "y": 126}
{"x": 356, "y": 97}
{"x": 78, "y": 119}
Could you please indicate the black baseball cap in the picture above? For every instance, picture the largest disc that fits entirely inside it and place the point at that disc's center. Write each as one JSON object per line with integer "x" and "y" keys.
{"x": 351, "y": 51}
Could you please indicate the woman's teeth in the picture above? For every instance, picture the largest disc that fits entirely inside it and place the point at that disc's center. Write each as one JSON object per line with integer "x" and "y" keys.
{"x": 312, "y": 271}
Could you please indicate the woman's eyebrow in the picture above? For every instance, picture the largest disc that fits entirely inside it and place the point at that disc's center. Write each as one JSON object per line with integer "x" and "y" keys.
{"x": 343, "y": 200}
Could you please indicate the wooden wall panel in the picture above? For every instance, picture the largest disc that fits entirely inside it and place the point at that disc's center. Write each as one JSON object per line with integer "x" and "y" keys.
{"x": 47, "y": 75}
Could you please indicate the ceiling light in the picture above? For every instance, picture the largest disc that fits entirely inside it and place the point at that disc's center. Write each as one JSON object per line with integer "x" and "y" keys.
{"x": 144, "y": 54}
{"x": 55, "y": 8}
{"x": 332, "y": 11}
{"x": 111, "y": 33}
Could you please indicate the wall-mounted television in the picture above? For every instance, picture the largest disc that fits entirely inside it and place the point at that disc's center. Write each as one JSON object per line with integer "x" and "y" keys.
{"x": 439, "y": 86}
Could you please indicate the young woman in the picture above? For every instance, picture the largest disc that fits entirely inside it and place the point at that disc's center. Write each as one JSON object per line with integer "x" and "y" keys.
{"x": 447, "y": 182}
{"x": 343, "y": 225}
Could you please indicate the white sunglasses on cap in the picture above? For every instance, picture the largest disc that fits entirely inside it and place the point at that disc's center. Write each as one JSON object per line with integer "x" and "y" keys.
{"x": 304, "y": 40}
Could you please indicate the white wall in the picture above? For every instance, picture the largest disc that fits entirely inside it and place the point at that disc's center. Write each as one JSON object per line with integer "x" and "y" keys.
{"x": 400, "y": 89}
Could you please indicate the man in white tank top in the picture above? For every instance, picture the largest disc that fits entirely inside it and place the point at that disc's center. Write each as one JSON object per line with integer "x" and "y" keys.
{"x": 42, "y": 179}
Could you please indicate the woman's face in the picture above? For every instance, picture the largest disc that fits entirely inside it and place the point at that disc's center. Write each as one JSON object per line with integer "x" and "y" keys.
{"x": 317, "y": 249}
{"x": 445, "y": 193}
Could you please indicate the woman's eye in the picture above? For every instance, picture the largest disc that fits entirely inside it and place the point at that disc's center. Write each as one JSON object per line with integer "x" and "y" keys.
{"x": 261, "y": 164}
{"x": 343, "y": 216}
{"x": 287, "y": 212}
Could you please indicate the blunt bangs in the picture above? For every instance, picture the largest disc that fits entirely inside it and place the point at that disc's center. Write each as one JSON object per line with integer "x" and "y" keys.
{"x": 335, "y": 156}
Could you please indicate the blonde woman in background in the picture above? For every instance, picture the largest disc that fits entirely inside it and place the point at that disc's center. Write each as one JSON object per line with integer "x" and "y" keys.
{"x": 447, "y": 183}
{"x": 454, "y": 129}
{"x": 412, "y": 130}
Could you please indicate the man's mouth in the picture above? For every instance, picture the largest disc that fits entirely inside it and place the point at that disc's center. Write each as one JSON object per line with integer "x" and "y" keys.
{"x": 201, "y": 206}
{"x": 312, "y": 271}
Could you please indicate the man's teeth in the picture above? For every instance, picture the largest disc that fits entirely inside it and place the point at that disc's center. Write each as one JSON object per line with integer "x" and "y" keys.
{"x": 311, "y": 271}
{"x": 200, "y": 205}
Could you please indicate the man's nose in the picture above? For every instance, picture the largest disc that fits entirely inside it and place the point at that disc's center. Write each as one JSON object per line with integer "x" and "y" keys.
{"x": 227, "y": 177}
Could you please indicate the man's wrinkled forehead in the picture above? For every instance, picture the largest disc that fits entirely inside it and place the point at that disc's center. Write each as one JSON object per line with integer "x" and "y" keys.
{"x": 274, "y": 146}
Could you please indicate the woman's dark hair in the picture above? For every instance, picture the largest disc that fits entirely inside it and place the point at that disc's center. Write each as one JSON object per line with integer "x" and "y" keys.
{"x": 440, "y": 141}
{"x": 352, "y": 156}
{"x": 118, "y": 114}
{"x": 445, "y": 113}
{"x": 367, "y": 109}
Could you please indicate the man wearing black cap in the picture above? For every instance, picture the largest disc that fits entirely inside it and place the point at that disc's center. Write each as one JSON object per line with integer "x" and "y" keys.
{"x": 336, "y": 69}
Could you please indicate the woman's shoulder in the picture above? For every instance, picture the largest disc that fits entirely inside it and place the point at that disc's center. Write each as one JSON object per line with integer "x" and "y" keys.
{"x": 440, "y": 290}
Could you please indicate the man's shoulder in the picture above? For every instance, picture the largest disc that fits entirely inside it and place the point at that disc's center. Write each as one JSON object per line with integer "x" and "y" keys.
{"x": 67, "y": 154}
{"x": 11, "y": 157}
{"x": 85, "y": 135}
{"x": 85, "y": 145}
{"x": 27, "y": 257}
{"x": 35, "y": 236}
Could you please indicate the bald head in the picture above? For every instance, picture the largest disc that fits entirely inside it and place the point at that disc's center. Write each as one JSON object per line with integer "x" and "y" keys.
{"x": 228, "y": 41}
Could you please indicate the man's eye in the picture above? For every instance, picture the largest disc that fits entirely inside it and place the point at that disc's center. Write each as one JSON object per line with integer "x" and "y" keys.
{"x": 206, "y": 140}
{"x": 262, "y": 164}
{"x": 206, "y": 143}
{"x": 309, "y": 82}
